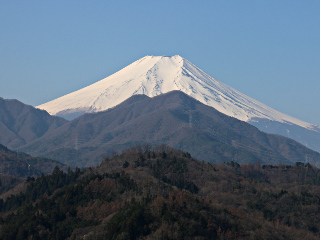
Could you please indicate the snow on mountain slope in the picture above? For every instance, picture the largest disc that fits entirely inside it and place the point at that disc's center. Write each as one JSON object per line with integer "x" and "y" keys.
{"x": 154, "y": 75}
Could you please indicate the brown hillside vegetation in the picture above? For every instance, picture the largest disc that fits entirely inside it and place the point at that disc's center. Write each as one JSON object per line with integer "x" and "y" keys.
{"x": 8, "y": 182}
{"x": 22, "y": 165}
{"x": 163, "y": 193}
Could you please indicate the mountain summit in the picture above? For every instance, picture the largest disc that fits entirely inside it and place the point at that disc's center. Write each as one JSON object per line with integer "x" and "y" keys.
{"x": 155, "y": 75}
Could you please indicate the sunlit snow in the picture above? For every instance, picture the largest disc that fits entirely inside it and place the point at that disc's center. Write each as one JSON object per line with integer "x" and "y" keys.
{"x": 154, "y": 75}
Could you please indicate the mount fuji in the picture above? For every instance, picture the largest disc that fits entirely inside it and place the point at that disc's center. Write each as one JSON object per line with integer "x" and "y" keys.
{"x": 155, "y": 75}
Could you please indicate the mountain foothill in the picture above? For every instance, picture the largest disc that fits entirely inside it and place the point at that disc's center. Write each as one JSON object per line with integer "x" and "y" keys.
{"x": 157, "y": 192}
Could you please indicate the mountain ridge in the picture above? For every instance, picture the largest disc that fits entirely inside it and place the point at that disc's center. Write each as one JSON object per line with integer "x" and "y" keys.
{"x": 155, "y": 75}
{"x": 21, "y": 123}
{"x": 175, "y": 119}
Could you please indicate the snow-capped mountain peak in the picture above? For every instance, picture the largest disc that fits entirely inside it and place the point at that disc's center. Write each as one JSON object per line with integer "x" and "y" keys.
{"x": 154, "y": 75}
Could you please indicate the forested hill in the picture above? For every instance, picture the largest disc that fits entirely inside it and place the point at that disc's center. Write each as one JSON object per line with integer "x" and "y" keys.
{"x": 163, "y": 193}
{"x": 15, "y": 167}
{"x": 23, "y": 165}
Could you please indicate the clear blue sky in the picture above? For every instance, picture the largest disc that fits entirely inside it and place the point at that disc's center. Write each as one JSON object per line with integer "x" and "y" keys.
{"x": 269, "y": 50}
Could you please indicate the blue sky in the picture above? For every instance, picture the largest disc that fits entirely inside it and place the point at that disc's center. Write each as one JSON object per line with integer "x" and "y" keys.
{"x": 269, "y": 50}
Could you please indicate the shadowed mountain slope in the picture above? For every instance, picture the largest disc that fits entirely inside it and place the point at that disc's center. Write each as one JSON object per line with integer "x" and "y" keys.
{"x": 174, "y": 119}
{"x": 21, "y": 123}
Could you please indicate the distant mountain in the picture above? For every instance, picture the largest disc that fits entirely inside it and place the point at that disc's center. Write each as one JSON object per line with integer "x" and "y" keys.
{"x": 155, "y": 75}
{"x": 175, "y": 119}
{"x": 22, "y": 165}
{"x": 21, "y": 123}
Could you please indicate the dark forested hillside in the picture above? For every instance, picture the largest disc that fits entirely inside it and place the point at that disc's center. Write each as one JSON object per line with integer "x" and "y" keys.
{"x": 23, "y": 165}
{"x": 15, "y": 167}
{"x": 163, "y": 193}
{"x": 8, "y": 182}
